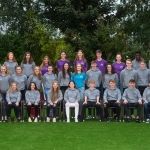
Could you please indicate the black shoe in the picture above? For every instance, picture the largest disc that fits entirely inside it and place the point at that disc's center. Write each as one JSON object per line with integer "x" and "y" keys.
{"x": 117, "y": 120}
{"x": 108, "y": 119}
{"x": 138, "y": 120}
{"x": 102, "y": 120}
{"x": 127, "y": 120}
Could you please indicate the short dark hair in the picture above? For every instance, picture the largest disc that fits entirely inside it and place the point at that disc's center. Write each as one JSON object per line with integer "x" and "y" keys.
{"x": 29, "y": 88}
{"x": 132, "y": 81}
{"x": 70, "y": 82}
{"x": 98, "y": 51}
{"x": 138, "y": 52}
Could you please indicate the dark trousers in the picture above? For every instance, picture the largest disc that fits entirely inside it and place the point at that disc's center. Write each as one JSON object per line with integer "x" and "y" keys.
{"x": 16, "y": 109}
{"x": 112, "y": 104}
{"x": 141, "y": 89}
{"x": 137, "y": 105}
{"x": 22, "y": 94}
{"x": 63, "y": 89}
{"x": 91, "y": 104}
{"x": 54, "y": 110}
{"x": 35, "y": 109}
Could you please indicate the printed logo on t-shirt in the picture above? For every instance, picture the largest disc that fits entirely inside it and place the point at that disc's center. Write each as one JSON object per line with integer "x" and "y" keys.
{"x": 101, "y": 64}
{"x": 82, "y": 63}
{"x": 121, "y": 67}
{"x": 81, "y": 76}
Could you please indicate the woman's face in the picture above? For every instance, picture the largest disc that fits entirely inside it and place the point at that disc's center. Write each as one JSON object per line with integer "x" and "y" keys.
{"x": 3, "y": 69}
{"x": 32, "y": 86}
{"x": 14, "y": 86}
{"x": 18, "y": 70}
{"x": 80, "y": 54}
{"x": 27, "y": 56}
{"x": 66, "y": 66}
{"x": 109, "y": 68}
{"x": 50, "y": 69}
{"x": 11, "y": 56}
{"x": 37, "y": 70}
{"x": 55, "y": 85}
{"x": 71, "y": 85}
{"x": 118, "y": 57}
{"x": 79, "y": 67}
{"x": 63, "y": 55}
{"x": 46, "y": 61}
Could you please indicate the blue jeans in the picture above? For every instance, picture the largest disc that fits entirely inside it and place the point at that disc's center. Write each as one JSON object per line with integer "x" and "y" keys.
{"x": 81, "y": 91}
{"x": 4, "y": 110}
{"x": 46, "y": 90}
{"x": 146, "y": 105}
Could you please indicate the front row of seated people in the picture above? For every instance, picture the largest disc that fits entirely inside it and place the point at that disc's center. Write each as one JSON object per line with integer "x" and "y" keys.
{"x": 112, "y": 98}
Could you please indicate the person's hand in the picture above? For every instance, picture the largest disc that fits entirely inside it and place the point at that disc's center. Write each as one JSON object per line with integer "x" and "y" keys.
{"x": 105, "y": 101}
{"x": 85, "y": 103}
{"x": 98, "y": 103}
{"x": 29, "y": 103}
{"x": 140, "y": 102}
{"x": 17, "y": 104}
{"x": 125, "y": 101}
{"x": 9, "y": 103}
{"x": 118, "y": 101}
{"x": 55, "y": 102}
{"x": 145, "y": 102}
{"x": 36, "y": 103}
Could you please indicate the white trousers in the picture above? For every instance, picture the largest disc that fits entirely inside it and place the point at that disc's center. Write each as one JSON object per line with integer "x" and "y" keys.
{"x": 76, "y": 106}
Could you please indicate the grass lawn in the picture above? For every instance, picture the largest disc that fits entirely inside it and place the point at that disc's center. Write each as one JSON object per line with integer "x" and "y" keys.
{"x": 75, "y": 136}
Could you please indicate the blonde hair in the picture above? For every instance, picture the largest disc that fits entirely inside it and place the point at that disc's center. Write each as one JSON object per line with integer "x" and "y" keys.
{"x": 10, "y": 89}
{"x": 7, "y": 71}
{"x": 39, "y": 75}
{"x": 55, "y": 94}
{"x": 49, "y": 62}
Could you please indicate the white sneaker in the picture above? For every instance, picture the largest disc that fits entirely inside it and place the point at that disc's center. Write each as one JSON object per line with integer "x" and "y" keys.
{"x": 68, "y": 120}
{"x": 5, "y": 117}
{"x": 48, "y": 119}
{"x": 29, "y": 119}
{"x": 54, "y": 119}
{"x": 76, "y": 120}
{"x": 147, "y": 121}
{"x": 35, "y": 120}
{"x": 2, "y": 118}
{"x": 132, "y": 116}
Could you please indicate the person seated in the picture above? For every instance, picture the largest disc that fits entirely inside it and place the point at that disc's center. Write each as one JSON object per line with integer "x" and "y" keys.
{"x": 32, "y": 96}
{"x": 13, "y": 97}
{"x": 132, "y": 98}
{"x": 91, "y": 98}
{"x": 146, "y": 99}
{"x": 112, "y": 97}
{"x": 54, "y": 95}
{"x": 72, "y": 97}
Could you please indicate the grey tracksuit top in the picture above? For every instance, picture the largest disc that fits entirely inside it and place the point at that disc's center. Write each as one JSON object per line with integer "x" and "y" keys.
{"x": 126, "y": 75}
{"x": 95, "y": 75}
{"x": 143, "y": 76}
{"x": 112, "y": 94}
{"x": 146, "y": 94}
{"x": 92, "y": 94}
{"x": 136, "y": 64}
{"x": 21, "y": 80}
{"x": 5, "y": 82}
{"x": 28, "y": 68}
{"x": 62, "y": 81}
{"x": 49, "y": 101}
{"x": 36, "y": 80}
{"x": 72, "y": 95}
{"x": 32, "y": 96}
{"x": 131, "y": 95}
{"x": 106, "y": 79}
{"x": 48, "y": 79}
{"x": 13, "y": 97}
{"x": 11, "y": 66}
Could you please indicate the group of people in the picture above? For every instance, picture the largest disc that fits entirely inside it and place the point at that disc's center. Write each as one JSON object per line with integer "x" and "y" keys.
{"x": 102, "y": 86}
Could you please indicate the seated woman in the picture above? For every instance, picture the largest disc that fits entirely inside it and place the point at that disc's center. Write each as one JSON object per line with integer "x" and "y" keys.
{"x": 146, "y": 99}
{"x": 32, "y": 99}
{"x": 13, "y": 98}
{"x": 72, "y": 97}
{"x": 54, "y": 95}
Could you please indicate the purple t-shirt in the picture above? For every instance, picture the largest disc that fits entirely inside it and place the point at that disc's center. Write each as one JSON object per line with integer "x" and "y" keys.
{"x": 83, "y": 63}
{"x": 44, "y": 70}
{"x": 60, "y": 63}
{"x": 101, "y": 65}
{"x": 118, "y": 67}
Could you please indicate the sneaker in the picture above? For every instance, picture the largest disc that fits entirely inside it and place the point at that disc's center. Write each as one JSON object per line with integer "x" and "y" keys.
{"x": 147, "y": 121}
{"x": 54, "y": 119}
{"x": 127, "y": 120}
{"x": 68, "y": 120}
{"x": 89, "y": 117}
{"x": 15, "y": 119}
{"x": 76, "y": 120}
{"x": 29, "y": 119}
{"x": 132, "y": 116}
{"x": 117, "y": 120}
{"x": 138, "y": 120}
{"x": 9, "y": 120}
{"x": 2, "y": 118}
{"x": 108, "y": 119}
{"x": 5, "y": 117}
{"x": 36, "y": 120}
{"x": 48, "y": 119}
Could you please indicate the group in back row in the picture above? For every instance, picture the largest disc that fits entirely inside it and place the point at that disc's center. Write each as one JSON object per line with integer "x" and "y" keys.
{"x": 104, "y": 82}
